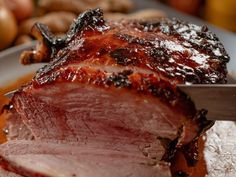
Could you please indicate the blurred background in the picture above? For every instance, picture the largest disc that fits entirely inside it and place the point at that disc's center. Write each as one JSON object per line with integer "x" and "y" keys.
{"x": 18, "y": 16}
{"x": 221, "y": 13}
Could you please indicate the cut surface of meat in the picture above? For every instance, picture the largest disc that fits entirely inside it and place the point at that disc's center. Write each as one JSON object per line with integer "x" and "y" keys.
{"x": 5, "y": 173}
{"x": 37, "y": 158}
{"x": 15, "y": 129}
{"x": 137, "y": 59}
{"x": 112, "y": 85}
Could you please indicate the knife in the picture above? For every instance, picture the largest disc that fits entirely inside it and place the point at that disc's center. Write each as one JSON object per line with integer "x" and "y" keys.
{"x": 218, "y": 99}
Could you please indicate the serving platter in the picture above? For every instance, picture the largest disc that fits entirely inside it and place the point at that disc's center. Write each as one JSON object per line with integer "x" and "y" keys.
{"x": 10, "y": 68}
{"x": 220, "y": 142}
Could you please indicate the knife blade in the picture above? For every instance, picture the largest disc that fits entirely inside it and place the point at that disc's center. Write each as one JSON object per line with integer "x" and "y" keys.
{"x": 10, "y": 94}
{"x": 218, "y": 99}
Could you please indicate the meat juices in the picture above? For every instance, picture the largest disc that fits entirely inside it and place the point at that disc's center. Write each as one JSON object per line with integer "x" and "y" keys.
{"x": 110, "y": 86}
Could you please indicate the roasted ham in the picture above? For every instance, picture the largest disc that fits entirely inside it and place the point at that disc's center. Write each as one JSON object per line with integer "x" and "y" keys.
{"x": 112, "y": 86}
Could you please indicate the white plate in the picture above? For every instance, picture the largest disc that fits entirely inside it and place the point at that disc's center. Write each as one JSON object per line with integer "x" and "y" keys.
{"x": 10, "y": 68}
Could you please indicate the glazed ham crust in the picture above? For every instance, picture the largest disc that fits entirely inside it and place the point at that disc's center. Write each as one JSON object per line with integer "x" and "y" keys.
{"x": 113, "y": 85}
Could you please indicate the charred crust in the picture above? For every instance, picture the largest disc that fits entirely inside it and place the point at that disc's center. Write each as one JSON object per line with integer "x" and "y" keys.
{"x": 120, "y": 79}
{"x": 50, "y": 44}
{"x": 202, "y": 121}
{"x": 158, "y": 59}
{"x": 159, "y": 54}
{"x": 190, "y": 150}
{"x": 198, "y": 36}
{"x": 46, "y": 47}
{"x": 180, "y": 174}
{"x": 191, "y": 153}
{"x": 131, "y": 39}
{"x": 124, "y": 56}
{"x": 90, "y": 18}
{"x": 40, "y": 30}
{"x": 170, "y": 149}
{"x": 164, "y": 91}
{"x": 148, "y": 26}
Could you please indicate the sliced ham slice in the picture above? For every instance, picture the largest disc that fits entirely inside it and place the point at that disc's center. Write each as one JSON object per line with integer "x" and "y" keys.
{"x": 86, "y": 113}
{"x": 37, "y": 158}
{"x": 5, "y": 173}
